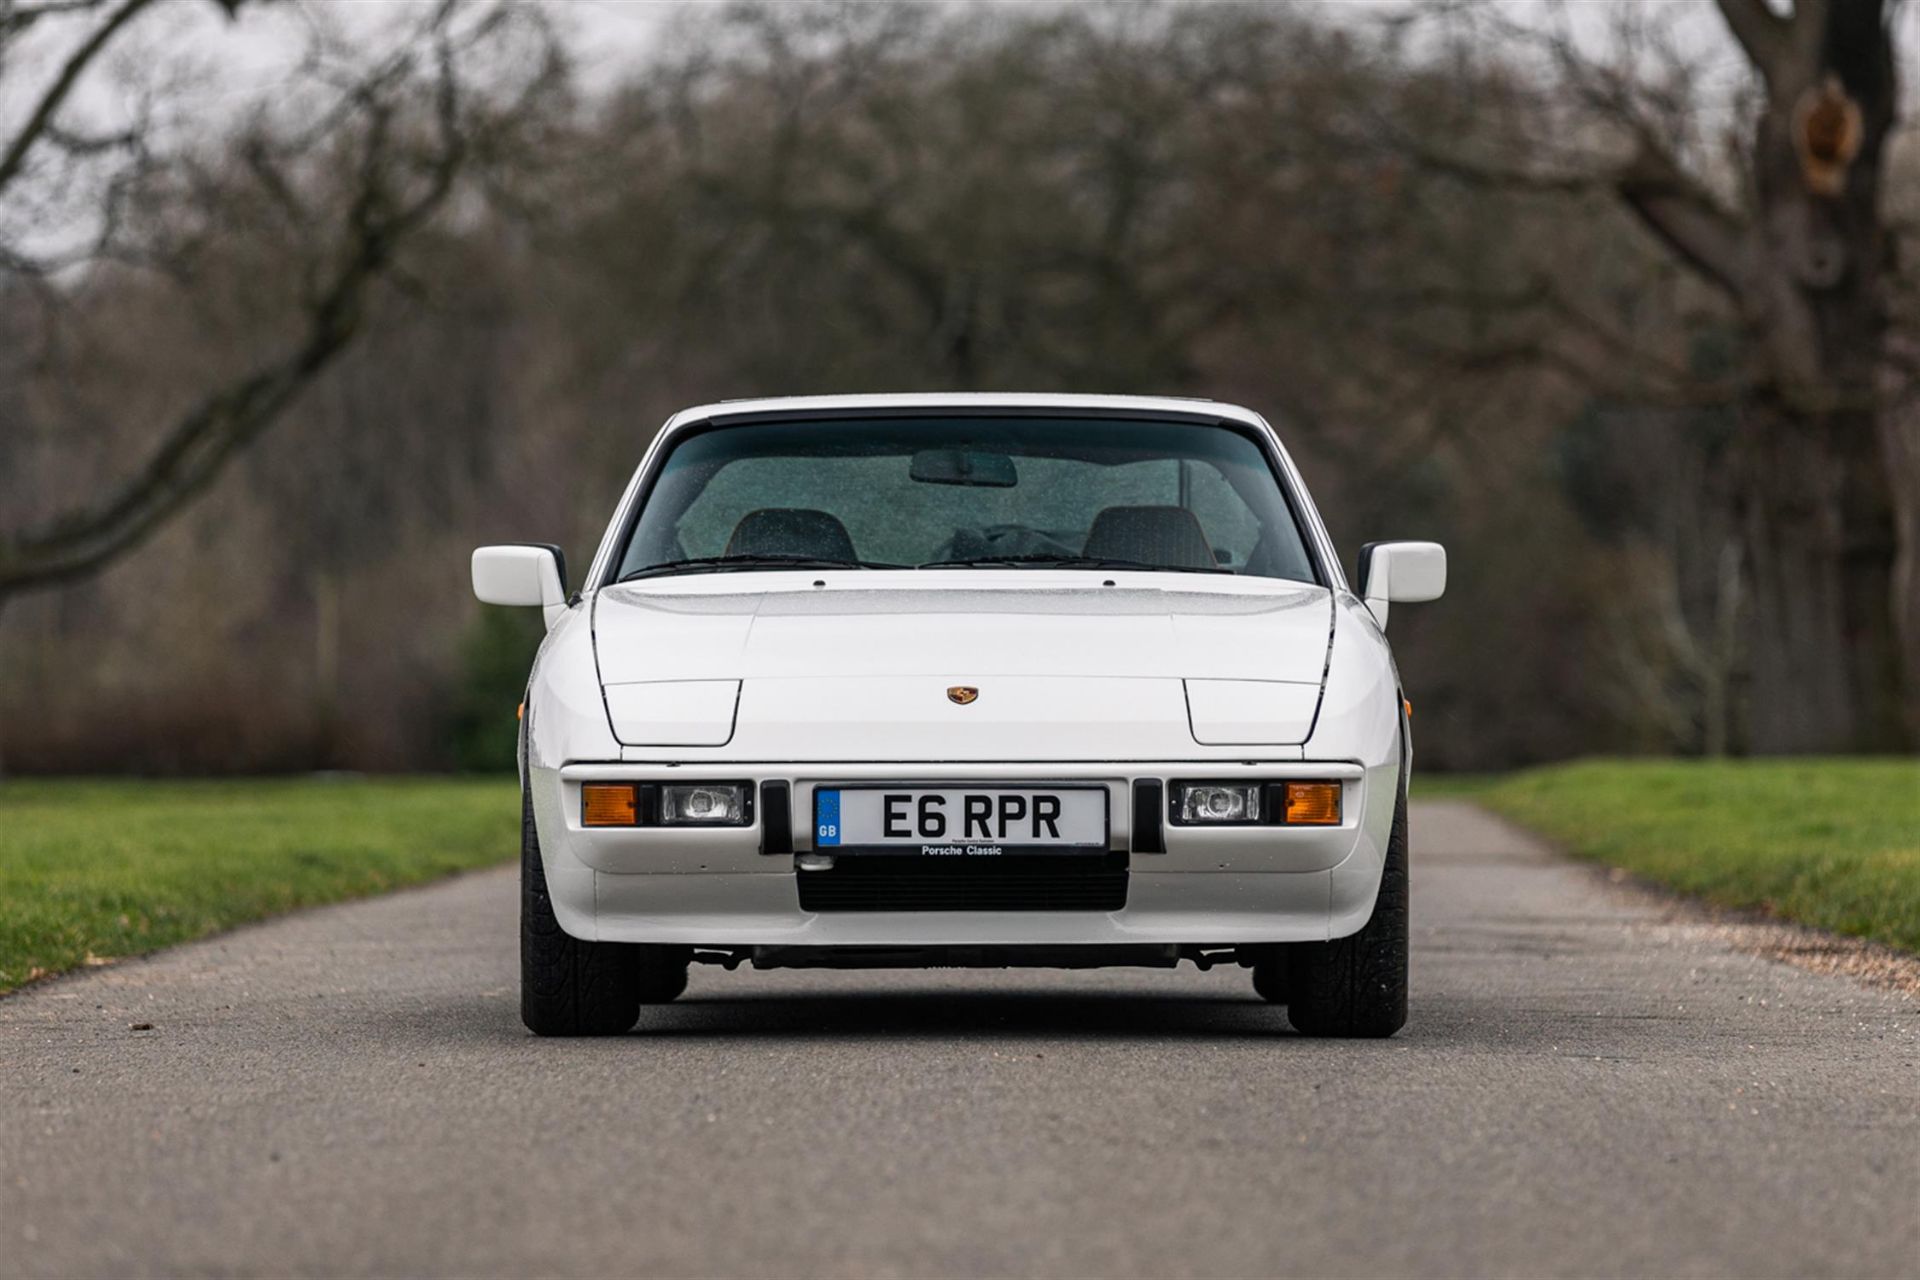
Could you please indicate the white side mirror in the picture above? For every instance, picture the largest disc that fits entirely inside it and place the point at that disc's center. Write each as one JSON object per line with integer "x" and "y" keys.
{"x": 1403, "y": 572}
{"x": 522, "y": 573}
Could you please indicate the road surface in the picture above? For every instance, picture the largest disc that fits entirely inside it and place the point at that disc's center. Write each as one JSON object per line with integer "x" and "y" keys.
{"x": 1587, "y": 1087}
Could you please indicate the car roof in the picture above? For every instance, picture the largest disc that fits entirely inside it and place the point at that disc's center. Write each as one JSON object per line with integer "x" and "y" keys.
{"x": 965, "y": 401}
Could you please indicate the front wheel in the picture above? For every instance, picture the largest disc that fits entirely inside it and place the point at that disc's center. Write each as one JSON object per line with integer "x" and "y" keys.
{"x": 1357, "y": 986}
{"x": 570, "y": 987}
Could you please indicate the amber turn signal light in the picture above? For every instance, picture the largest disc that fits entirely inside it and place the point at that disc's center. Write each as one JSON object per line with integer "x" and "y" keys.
{"x": 608, "y": 804}
{"x": 1313, "y": 804}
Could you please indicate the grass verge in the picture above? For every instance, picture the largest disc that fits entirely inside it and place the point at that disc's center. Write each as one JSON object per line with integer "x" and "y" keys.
{"x": 94, "y": 870}
{"x": 1833, "y": 843}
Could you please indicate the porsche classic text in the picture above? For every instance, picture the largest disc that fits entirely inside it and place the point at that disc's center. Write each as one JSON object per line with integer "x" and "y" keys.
{"x": 868, "y": 681}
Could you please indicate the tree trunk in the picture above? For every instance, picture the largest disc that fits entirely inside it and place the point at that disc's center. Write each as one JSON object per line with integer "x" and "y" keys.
{"x": 3, "y": 722}
{"x": 1821, "y": 543}
{"x": 1900, "y": 444}
{"x": 1722, "y": 650}
{"x": 1821, "y": 532}
{"x": 326, "y": 668}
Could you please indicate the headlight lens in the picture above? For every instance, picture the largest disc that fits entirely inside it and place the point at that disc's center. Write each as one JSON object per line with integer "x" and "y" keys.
{"x": 1218, "y": 802}
{"x": 705, "y": 805}
{"x": 654, "y": 804}
{"x": 1274, "y": 804}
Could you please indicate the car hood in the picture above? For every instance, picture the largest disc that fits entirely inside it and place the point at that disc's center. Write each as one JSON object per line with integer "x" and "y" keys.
{"x": 1090, "y": 669}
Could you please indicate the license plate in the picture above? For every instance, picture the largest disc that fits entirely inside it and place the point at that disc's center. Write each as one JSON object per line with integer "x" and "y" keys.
{"x": 960, "y": 821}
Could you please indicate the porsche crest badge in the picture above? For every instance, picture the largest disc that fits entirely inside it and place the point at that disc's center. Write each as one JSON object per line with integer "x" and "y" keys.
{"x": 962, "y": 694}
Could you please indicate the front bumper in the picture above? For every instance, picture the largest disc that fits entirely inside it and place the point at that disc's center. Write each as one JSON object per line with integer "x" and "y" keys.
{"x": 719, "y": 888}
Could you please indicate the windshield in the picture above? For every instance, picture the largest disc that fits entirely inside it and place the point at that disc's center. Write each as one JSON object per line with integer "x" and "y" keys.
{"x": 988, "y": 491}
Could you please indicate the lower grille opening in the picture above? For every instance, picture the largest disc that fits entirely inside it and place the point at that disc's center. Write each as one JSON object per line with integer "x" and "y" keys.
{"x": 1063, "y": 882}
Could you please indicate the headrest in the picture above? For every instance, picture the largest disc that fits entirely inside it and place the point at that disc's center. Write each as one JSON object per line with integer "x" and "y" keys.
{"x": 1169, "y": 536}
{"x": 791, "y": 531}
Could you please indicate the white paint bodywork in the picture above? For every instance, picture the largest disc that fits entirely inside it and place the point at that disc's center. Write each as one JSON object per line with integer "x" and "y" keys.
{"x": 857, "y": 667}
{"x": 522, "y": 575}
{"x": 1404, "y": 571}
{"x": 823, "y": 678}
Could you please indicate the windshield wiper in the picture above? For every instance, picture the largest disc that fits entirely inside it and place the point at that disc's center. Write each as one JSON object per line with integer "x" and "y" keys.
{"x": 724, "y": 564}
{"x": 1065, "y": 562}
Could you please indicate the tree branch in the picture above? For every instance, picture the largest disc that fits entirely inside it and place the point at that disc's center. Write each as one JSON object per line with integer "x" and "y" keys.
{"x": 1764, "y": 36}
{"x": 1481, "y": 173}
{"x": 16, "y": 18}
{"x": 1686, "y": 216}
{"x": 40, "y": 119}
{"x": 1714, "y": 242}
{"x": 198, "y": 444}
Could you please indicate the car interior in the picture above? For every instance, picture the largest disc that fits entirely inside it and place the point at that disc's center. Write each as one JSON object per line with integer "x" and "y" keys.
{"x": 1158, "y": 535}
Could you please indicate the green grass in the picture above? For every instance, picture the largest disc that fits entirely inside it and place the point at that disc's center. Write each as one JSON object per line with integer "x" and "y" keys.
{"x": 1832, "y": 843}
{"x": 94, "y": 870}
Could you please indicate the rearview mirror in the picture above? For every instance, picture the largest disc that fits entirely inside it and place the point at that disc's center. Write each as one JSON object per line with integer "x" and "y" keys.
{"x": 1400, "y": 572}
{"x": 963, "y": 466}
{"x": 522, "y": 573}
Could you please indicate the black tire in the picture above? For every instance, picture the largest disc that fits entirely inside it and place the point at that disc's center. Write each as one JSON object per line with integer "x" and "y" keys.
{"x": 573, "y": 988}
{"x": 1357, "y": 986}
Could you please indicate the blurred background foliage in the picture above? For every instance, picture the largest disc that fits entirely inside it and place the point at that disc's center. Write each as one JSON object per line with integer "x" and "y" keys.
{"x": 496, "y": 654}
{"x": 1207, "y": 200}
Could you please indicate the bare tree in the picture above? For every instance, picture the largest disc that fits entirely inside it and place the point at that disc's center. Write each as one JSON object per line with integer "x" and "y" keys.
{"x": 1008, "y": 197}
{"x": 379, "y": 150}
{"x": 798, "y": 197}
{"x": 1784, "y": 225}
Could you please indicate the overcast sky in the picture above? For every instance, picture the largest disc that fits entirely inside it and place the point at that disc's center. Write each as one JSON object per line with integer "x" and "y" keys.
{"x": 235, "y": 62}
{"x": 238, "y": 59}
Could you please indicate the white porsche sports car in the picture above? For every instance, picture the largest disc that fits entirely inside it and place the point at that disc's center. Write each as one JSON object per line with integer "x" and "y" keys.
{"x": 949, "y": 680}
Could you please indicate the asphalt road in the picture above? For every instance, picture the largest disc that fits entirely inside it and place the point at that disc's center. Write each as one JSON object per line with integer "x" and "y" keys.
{"x": 1587, "y": 1087}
